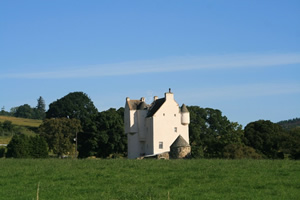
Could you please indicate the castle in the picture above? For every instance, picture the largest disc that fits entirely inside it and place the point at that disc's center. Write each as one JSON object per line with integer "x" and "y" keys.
{"x": 158, "y": 128}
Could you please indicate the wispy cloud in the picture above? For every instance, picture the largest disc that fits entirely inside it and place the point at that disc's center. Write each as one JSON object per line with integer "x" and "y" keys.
{"x": 231, "y": 92}
{"x": 170, "y": 64}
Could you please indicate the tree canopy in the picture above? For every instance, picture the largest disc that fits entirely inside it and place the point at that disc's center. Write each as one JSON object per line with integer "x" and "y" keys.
{"x": 74, "y": 105}
{"x": 60, "y": 134}
{"x": 264, "y": 136}
{"x": 108, "y": 139}
{"x": 22, "y": 146}
{"x": 210, "y": 132}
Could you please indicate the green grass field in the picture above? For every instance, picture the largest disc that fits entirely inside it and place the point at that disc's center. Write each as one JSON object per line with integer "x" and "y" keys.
{"x": 149, "y": 179}
{"x": 21, "y": 125}
{"x": 22, "y": 121}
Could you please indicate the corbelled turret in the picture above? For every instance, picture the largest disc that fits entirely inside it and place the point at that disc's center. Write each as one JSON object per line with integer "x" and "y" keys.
{"x": 185, "y": 115}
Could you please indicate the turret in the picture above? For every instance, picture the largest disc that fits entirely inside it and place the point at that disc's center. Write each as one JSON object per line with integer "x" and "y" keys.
{"x": 185, "y": 115}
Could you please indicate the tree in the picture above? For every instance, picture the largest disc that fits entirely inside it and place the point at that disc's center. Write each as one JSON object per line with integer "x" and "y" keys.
{"x": 112, "y": 139}
{"x": 40, "y": 110}
{"x": 22, "y": 146}
{"x": 7, "y": 126}
{"x": 39, "y": 147}
{"x": 18, "y": 147}
{"x": 74, "y": 105}
{"x": 210, "y": 132}
{"x": 290, "y": 143}
{"x": 77, "y": 105}
{"x": 264, "y": 136}
{"x": 59, "y": 134}
{"x": 108, "y": 139}
{"x": 24, "y": 111}
{"x": 240, "y": 151}
{"x": 3, "y": 112}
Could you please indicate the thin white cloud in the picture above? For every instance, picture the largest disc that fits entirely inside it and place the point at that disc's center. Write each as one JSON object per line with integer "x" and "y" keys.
{"x": 170, "y": 64}
{"x": 235, "y": 92}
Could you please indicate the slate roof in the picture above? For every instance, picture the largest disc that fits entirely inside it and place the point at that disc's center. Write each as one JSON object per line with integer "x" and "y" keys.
{"x": 184, "y": 108}
{"x": 180, "y": 142}
{"x": 142, "y": 106}
{"x": 155, "y": 106}
{"x": 133, "y": 104}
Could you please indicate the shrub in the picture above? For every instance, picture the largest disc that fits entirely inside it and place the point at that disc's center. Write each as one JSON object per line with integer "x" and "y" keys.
{"x": 2, "y": 152}
{"x": 22, "y": 146}
{"x": 240, "y": 151}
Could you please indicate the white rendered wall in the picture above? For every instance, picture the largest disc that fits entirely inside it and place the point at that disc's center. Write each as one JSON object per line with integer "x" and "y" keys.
{"x": 165, "y": 120}
{"x": 133, "y": 146}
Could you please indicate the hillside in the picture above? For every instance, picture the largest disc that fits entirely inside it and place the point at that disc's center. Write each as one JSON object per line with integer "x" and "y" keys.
{"x": 34, "y": 123}
{"x": 20, "y": 125}
{"x": 290, "y": 124}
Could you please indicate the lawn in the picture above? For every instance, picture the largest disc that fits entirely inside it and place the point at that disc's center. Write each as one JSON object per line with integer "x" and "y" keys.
{"x": 149, "y": 179}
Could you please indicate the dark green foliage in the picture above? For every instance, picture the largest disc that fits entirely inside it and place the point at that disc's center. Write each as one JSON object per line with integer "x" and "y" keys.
{"x": 290, "y": 143}
{"x": 39, "y": 147}
{"x": 290, "y": 124}
{"x": 60, "y": 134}
{"x": 109, "y": 138}
{"x": 3, "y": 112}
{"x": 74, "y": 105}
{"x": 2, "y": 152}
{"x": 7, "y": 126}
{"x": 240, "y": 151}
{"x": 18, "y": 147}
{"x": 24, "y": 111}
{"x": 264, "y": 136}
{"x": 112, "y": 139}
{"x": 78, "y": 105}
{"x": 22, "y": 146}
{"x": 40, "y": 110}
{"x": 210, "y": 132}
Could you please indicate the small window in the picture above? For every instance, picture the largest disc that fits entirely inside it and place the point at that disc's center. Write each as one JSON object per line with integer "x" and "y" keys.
{"x": 174, "y": 115}
{"x": 161, "y": 145}
{"x": 164, "y": 114}
{"x": 175, "y": 129}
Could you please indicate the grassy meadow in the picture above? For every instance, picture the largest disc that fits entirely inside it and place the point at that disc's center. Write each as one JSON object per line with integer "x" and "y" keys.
{"x": 22, "y": 121}
{"x": 149, "y": 179}
{"x": 20, "y": 125}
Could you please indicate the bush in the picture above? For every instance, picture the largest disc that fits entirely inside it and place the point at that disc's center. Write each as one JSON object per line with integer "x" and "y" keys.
{"x": 240, "y": 151}
{"x": 22, "y": 146}
{"x": 2, "y": 152}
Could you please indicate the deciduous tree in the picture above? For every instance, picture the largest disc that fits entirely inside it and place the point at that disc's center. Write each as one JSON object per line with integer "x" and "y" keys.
{"x": 264, "y": 136}
{"x": 210, "y": 132}
{"x": 60, "y": 133}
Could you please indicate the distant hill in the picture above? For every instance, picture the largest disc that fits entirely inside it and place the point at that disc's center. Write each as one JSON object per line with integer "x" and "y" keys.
{"x": 290, "y": 124}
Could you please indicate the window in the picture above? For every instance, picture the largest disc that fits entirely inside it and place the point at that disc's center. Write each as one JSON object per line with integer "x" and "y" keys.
{"x": 161, "y": 145}
{"x": 164, "y": 114}
{"x": 175, "y": 129}
{"x": 174, "y": 115}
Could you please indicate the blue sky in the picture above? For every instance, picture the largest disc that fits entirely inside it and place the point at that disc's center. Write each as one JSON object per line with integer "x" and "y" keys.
{"x": 241, "y": 57}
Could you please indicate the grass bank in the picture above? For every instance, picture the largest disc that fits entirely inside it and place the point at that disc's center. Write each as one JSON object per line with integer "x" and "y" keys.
{"x": 149, "y": 179}
{"x": 22, "y": 121}
{"x": 20, "y": 125}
